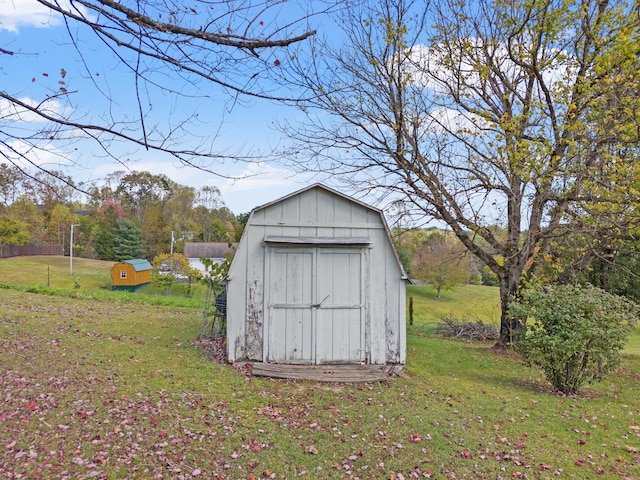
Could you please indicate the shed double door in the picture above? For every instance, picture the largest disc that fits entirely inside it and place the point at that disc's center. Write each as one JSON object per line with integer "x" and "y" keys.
{"x": 316, "y": 305}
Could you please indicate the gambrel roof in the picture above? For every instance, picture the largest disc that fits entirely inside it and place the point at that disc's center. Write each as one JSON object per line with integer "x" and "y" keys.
{"x": 333, "y": 240}
{"x": 139, "y": 264}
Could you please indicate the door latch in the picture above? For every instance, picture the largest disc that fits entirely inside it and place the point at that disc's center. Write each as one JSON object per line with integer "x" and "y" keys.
{"x": 317, "y": 305}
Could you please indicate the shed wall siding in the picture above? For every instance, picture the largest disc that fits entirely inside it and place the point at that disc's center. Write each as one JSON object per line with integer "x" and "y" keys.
{"x": 254, "y": 316}
{"x": 133, "y": 278}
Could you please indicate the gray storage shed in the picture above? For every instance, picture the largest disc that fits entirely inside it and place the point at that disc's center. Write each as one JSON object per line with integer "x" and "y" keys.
{"x": 317, "y": 280}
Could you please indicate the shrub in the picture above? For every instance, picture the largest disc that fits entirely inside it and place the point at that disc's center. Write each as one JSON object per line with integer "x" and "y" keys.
{"x": 163, "y": 280}
{"x": 576, "y": 334}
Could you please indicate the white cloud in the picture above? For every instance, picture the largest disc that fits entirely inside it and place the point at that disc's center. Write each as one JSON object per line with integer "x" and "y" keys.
{"x": 11, "y": 112}
{"x": 449, "y": 120}
{"x": 253, "y": 185}
{"x": 27, "y": 155}
{"x": 258, "y": 184}
{"x": 15, "y": 14}
{"x": 432, "y": 67}
{"x": 260, "y": 174}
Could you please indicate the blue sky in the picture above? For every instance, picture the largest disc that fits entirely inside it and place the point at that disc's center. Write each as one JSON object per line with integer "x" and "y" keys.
{"x": 45, "y": 61}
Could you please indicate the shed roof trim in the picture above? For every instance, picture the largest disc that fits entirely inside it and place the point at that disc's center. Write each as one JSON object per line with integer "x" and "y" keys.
{"x": 306, "y": 240}
{"x": 323, "y": 187}
{"x": 139, "y": 264}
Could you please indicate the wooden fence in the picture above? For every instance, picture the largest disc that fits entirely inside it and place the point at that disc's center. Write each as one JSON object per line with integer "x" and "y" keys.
{"x": 23, "y": 250}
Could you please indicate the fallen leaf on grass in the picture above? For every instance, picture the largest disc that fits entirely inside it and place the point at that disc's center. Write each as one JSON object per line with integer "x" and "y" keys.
{"x": 466, "y": 454}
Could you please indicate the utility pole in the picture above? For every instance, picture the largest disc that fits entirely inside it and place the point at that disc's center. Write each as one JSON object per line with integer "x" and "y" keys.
{"x": 71, "y": 249}
{"x": 172, "y": 240}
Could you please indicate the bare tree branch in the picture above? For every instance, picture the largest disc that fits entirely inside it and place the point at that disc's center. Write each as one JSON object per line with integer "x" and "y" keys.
{"x": 169, "y": 51}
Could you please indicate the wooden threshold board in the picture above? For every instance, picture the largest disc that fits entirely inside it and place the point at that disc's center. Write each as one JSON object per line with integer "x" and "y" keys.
{"x": 321, "y": 373}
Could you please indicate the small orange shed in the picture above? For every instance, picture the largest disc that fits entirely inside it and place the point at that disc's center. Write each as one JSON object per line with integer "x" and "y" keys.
{"x": 131, "y": 274}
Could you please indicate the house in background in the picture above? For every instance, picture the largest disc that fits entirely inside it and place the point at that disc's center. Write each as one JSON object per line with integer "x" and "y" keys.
{"x": 214, "y": 251}
{"x": 130, "y": 275}
{"x": 316, "y": 280}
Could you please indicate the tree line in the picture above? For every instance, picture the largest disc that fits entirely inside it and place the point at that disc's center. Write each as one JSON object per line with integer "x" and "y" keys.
{"x": 129, "y": 215}
{"x": 437, "y": 258}
{"x": 140, "y": 214}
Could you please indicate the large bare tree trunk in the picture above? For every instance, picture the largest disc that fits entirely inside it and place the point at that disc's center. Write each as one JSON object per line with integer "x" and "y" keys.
{"x": 512, "y": 330}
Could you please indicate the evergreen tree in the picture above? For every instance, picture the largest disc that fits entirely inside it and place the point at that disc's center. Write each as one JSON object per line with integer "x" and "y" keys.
{"x": 104, "y": 240}
{"x": 104, "y": 243}
{"x": 128, "y": 240}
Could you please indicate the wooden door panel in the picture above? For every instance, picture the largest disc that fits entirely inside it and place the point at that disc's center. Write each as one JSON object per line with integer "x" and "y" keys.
{"x": 290, "y": 333}
{"x": 316, "y": 305}
{"x": 339, "y": 322}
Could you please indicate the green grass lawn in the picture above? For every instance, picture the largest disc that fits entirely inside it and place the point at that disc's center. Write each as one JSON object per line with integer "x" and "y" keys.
{"x": 55, "y": 272}
{"x": 93, "y": 277}
{"x": 114, "y": 388}
{"x": 468, "y": 302}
